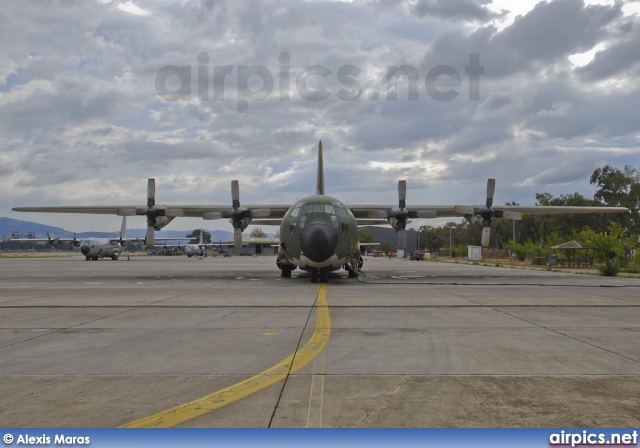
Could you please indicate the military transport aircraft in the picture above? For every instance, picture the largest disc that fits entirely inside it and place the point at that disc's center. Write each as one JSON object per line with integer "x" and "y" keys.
{"x": 94, "y": 248}
{"x": 319, "y": 233}
{"x": 199, "y": 248}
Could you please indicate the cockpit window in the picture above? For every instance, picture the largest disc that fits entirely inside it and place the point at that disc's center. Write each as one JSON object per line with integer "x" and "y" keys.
{"x": 297, "y": 210}
{"x": 339, "y": 210}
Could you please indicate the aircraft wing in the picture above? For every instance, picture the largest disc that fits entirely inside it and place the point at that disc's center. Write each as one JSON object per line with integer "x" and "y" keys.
{"x": 142, "y": 240}
{"x": 369, "y": 211}
{"x": 381, "y": 211}
{"x": 273, "y": 211}
{"x": 50, "y": 241}
{"x": 36, "y": 240}
{"x": 553, "y": 210}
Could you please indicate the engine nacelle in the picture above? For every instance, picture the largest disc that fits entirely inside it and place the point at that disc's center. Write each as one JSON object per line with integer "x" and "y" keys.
{"x": 398, "y": 218}
{"x": 475, "y": 220}
{"x": 161, "y": 221}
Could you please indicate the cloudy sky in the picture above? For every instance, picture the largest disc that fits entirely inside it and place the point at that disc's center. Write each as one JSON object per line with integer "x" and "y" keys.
{"x": 98, "y": 96}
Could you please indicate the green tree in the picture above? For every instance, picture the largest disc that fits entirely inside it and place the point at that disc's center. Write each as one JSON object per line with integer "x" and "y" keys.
{"x": 433, "y": 238}
{"x": 617, "y": 188}
{"x": 385, "y": 246}
{"x": 258, "y": 233}
{"x": 365, "y": 236}
{"x": 195, "y": 237}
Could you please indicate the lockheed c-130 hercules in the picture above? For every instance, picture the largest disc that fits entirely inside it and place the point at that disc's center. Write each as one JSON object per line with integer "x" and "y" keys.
{"x": 319, "y": 233}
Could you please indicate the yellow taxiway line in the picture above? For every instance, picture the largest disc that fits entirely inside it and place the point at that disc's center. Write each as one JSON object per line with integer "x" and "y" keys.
{"x": 188, "y": 411}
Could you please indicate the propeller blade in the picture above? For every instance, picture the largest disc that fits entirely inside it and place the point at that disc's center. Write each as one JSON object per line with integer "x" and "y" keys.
{"x": 149, "y": 238}
{"x": 486, "y": 232}
{"x": 402, "y": 239}
{"x": 235, "y": 193}
{"x": 50, "y": 240}
{"x": 402, "y": 193}
{"x": 491, "y": 187}
{"x": 123, "y": 229}
{"x": 237, "y": 239}
{"x": 212, "y": 215}
{"x": 261, "y": 213}
{"x": 151, "y": 192}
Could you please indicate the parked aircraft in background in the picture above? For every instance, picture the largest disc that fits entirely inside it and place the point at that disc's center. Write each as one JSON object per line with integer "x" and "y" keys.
{"x": 319, "y": 233}
{"x": 198, "y": 249}
{"x": 94, "y": 248}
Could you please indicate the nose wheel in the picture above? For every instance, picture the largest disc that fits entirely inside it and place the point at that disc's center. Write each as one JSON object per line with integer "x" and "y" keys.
{"x": 319, "y": 274}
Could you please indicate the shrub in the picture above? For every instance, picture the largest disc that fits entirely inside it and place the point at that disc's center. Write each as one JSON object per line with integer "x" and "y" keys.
{"x": 610, "y": 268}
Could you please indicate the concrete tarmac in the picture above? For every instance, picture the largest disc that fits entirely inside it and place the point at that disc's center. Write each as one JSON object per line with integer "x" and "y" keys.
{"x": 416, "y": 344}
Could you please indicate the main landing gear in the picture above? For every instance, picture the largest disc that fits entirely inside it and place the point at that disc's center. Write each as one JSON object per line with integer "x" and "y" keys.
{"x": 285, "y": 268}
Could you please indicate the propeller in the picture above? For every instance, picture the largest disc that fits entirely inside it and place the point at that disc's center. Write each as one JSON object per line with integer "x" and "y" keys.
{"x": 398, "y": 217}
{"x": 401, "y": 214}
{"x": 52, "y": 241}
{"x": 152, "y": 213}
{"x": 483, "y": 215}
{"x": 239, "y": 216}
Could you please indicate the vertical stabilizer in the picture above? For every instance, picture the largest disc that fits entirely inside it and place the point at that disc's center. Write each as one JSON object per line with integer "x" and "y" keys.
{"x": 320, "y": 184}
{"x": 201, "y": 232}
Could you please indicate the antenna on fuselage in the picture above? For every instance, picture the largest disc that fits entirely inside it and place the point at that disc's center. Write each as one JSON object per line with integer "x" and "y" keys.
{"x": 320, "y": 183}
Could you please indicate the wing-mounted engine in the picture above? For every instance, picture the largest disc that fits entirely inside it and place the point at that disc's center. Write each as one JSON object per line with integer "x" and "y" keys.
{"x": 480, "y": 216}
{"x": 399, "y": 216}
{"x": 239, "y": 217}
{"x": 157, "y": 216}
{"x": 476, "y": 220}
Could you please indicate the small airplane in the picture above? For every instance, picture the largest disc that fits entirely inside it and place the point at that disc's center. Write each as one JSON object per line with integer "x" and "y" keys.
{"x": 94, "y": 248}
{"x": 319, "y": 233}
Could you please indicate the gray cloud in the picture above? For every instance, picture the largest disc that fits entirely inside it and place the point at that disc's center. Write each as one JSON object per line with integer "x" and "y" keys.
{"x": 81, "y": 121}
{"x": 455, "y": 10}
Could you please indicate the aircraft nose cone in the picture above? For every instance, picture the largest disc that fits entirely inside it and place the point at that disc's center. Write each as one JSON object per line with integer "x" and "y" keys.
{"x": 84, "y": 250}
{"x": 318, "y": 241}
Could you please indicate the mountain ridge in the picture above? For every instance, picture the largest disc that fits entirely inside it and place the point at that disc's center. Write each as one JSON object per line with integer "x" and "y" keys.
{"x": 8, "y": 225}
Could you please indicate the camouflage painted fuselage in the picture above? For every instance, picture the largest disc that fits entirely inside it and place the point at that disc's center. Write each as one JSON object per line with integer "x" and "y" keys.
{"x": 318, "y": 232}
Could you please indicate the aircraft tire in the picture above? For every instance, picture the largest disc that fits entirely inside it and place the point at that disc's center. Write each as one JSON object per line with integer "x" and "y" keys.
{"x": 313, "y": 275}
{"x": 324, "y": 275}
{"x": 88, "y": 258}
{"x": 94, "y": 258}
{"x": 286, "y": 271}
{"x": 351, "y": 272}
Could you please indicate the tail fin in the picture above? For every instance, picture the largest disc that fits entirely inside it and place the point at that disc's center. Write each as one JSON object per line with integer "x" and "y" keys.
{"x": 320, "y": 183}
{"x": 201, "y": 232}
{"x": 123, "y": 229}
